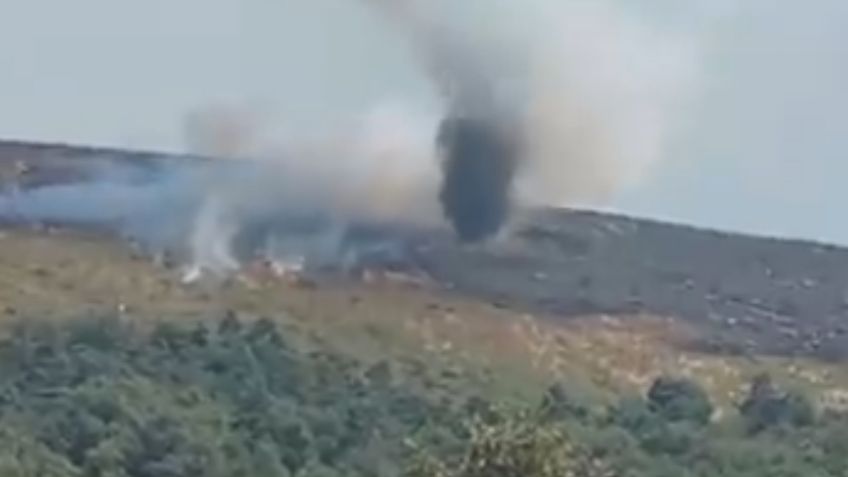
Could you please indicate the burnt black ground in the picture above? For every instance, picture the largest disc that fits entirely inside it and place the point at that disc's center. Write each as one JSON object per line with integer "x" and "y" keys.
{"x": 745, "y": 294}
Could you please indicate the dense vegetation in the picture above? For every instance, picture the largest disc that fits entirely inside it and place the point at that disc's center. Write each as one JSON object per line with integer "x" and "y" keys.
{"x": 230, "y": 397}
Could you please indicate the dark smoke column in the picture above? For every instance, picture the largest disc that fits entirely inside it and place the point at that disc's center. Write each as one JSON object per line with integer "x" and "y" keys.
{"x": 478, "y": 147}
{"x": 479, "y": 159}
{"x": 477, "y": 144}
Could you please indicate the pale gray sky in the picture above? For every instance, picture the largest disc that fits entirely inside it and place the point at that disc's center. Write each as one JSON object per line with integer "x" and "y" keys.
{"x": 762, "y": 149}
{"x": 767, "y": 147}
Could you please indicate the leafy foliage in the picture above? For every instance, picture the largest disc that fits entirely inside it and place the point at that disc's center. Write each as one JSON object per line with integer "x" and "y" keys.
{"x": 104, "y": 398}
{"x": 680, "y": 400}
{"x": 768, "y": 407}
{"x": 99, "y": 397}
{"x": 515, "y": 445}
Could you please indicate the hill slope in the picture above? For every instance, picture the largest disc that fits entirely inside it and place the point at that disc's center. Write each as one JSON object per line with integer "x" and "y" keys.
{"x": 745, "y": 294}
{"x": 590, "y": 344}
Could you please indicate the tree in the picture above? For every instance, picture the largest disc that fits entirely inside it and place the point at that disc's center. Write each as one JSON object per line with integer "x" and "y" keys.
{"x": 561, "y": 402}
{"x": 518, "y": 445}
{"x": 766, "y": 406}
{"x": 677, "y": 399}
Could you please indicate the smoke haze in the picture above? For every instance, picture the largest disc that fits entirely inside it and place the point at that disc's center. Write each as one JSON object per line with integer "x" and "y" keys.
{"x": 663, "y": 103}
{"x": 576, "y": 97}
{"x": 576, "y": 104}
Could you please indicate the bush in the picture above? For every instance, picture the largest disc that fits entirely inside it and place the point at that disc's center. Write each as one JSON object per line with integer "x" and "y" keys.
{"x": 563, "y": 401}
{"x": 519, "y": 445}
{"x": 99, "y": 397}
{"x": 634, "y": 414}
{"x": 102, "y": 398}
{"x": 678, "y": 399}
{"x": 768, "y": 407}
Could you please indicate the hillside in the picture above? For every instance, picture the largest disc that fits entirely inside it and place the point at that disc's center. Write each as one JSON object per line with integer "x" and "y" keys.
{"x": 744, "y": 294}
{"x": 583, "y": 310}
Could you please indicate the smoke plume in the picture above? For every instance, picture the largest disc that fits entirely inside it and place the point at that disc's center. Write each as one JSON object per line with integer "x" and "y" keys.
{"x": 575, "y": 98}
{"x": 536, "y": 102}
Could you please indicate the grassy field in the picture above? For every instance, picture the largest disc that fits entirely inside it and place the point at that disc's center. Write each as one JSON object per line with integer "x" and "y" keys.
{"x": 111, "y": 366}
{"x": 63, "y": 274}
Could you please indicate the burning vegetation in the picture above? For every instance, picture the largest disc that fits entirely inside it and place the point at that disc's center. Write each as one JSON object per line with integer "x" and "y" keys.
{"x": 521, "y": 117}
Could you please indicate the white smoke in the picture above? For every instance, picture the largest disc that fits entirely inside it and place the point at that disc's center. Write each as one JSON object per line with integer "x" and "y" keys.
{"x": 212, "y": 234}
{"x": 605, "y": 91}
{"x": 379, "y": 166}
{"x": 594, "y": 89}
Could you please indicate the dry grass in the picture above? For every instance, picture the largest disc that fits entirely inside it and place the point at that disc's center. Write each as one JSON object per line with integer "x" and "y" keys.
{"x": 64, "y": 274}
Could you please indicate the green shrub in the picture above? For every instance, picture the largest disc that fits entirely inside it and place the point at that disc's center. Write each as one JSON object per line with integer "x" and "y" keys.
{"x": 518, "y": 445}
{"x": 100, "y": 397}
{"x": 767, "y": 407}
{"x": 677, "y": 399}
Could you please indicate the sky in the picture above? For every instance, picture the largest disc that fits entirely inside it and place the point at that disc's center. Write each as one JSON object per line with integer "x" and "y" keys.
{"x": 761, "y": 146}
